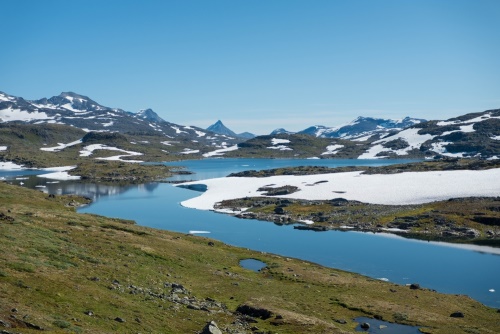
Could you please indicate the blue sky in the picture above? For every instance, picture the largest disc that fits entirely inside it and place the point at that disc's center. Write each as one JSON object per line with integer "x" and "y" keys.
{"x": 258, "y": 65}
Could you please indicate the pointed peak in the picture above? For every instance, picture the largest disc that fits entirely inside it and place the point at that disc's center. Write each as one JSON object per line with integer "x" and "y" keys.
{"x": 150, "y": 115}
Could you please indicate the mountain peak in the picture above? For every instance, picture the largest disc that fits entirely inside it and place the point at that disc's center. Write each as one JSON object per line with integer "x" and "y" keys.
{"x": 150, "y": 115}
{"x": 220, "y": 128}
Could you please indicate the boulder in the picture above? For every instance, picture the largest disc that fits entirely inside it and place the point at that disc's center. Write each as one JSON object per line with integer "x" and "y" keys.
{"x": 211, "y": 328}
{"x": 365, "y": 325}
{"x": 254, "y": 312}
{"x": 457, "y": 315}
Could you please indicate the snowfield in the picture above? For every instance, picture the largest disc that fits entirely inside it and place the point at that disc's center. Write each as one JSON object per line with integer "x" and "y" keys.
{"x": 59, "y": 173}
{"x": 60, "y": 146}
{"x": 88, "y": 150}
{"x": 9, "y": 115}
{"x": 389, "y": 189}
{"x": 220, "y": 151}
{"x": 411, "y": 136}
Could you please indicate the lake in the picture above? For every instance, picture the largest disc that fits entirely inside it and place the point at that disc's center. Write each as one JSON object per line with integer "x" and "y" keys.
{"x": 448, "y": 268}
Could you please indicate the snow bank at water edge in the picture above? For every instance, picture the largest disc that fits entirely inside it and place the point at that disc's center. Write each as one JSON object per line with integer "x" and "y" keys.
{"x": 88, "y": 150}
{"x": 59, "y": 173}
{"x": 220, "y": 151}
{"x": 9, "y": 165}
{"x": 389, "y": 189}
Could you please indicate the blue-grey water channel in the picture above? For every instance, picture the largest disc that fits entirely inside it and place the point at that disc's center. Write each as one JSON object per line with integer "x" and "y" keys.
{"x": 448, "y": 268}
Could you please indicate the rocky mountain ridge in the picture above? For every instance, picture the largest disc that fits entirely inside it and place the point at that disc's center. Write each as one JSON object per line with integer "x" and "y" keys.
{"x": 82, "y": 112}
{"x": 471, "y": 135}
{"x": 360, "y": 128}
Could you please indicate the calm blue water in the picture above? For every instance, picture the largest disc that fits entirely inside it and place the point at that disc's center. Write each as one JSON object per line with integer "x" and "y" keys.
{"x": 443, "y": 267}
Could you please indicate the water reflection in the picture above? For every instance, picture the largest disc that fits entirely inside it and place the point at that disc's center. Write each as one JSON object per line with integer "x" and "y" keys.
{"x": 94, "y": 191}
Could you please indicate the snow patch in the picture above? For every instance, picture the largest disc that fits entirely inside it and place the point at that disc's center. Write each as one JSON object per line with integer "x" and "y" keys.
{"x": 280, "y": 147}
{"x": 332, "y": 149}
{"x": 9, "y": 114}
{"x": 88, "y": 150}
{"x": 177, "y": 130}
{"x": 220, "y": 151}
{"x": 60, "y": 173}
{"x": 60, "y": 146}
{"x": 472, "y": 120}
{"x": 189, "y": 151}
{"x": 411, "y": 136}
{"x": 276, "y": 141}
{"x": 3, "y": 148}
{"x": 388, "y": 189}
{"x": 9, "y": 165}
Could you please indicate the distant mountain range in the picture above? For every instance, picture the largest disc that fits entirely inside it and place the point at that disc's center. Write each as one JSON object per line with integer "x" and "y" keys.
{"x": 63, "y": 120}
{"x": 361, "y": 127}
{"x": 472, "y": 135}
{"x": 82, "y": 112}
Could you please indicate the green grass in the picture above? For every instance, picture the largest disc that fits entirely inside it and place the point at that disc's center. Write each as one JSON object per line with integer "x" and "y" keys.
{"x": 56, "y": 265}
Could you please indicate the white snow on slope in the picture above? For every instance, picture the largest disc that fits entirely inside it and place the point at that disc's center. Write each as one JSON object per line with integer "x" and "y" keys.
{"x": 276, "y": 141}
{"x": 280, "y": 147}
{"x": 177, "y": 130}
{"x": 3, "y": 148}
{"x": 9, "y": 114}
{"x": 5, "y": 97}
{"x": 88, "y": 150}
{"x": 473, "y": 120}
{"x": 60, "y": 146}
{"x": 411, "y": 136}
{"x": 332, "y": 149}
{"x": 188, "y": 151}
{"x": 463, "y": 128}
{"x": 391, "y": 189}
{"x": 220, "y": 151}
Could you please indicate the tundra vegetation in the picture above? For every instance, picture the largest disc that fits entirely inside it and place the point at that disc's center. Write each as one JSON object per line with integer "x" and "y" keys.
{"x": 65, "y": 272}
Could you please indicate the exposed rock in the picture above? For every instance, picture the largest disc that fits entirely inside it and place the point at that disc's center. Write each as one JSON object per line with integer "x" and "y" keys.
{"x": 457, "y": 315}
{"x": 279, "y": 191}
{"x": 279, "y": 210}
{"x": 414, "y": 286}
{"x": 254, "y": 311}
{"x": 365, "y": 325}
{"x": 211, "y": 328}
{"x": 118, "y": 319}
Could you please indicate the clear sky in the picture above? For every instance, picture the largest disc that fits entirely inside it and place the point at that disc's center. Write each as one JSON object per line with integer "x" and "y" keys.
{"x": 261, "y": 64}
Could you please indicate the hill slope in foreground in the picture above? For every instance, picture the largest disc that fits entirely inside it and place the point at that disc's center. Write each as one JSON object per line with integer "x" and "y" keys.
{"x": 66, "y": 272}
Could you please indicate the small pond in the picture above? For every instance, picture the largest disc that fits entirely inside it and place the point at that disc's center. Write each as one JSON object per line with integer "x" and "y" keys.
{"x": 384, "y": 327}
{"x": 252, "y": 264}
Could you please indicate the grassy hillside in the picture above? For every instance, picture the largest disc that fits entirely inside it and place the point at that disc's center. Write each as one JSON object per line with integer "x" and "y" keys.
{"x": 80, "y": 273}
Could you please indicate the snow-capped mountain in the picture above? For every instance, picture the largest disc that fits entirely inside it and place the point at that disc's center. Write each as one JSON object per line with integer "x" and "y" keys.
{"x": 470, "y": 135}
{"x": 362, "y": 128}
{"x": 149, "y": 115}
{"x": 220, "y": 128}
{"x": 82, "y": 112}
{"x": 280, "y": 131}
